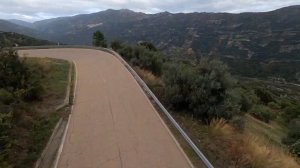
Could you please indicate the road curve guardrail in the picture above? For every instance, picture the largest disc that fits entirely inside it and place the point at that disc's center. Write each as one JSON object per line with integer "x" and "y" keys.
{"x": 145, "y": 88}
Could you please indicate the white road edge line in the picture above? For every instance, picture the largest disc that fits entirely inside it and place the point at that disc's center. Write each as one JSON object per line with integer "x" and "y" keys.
{"x": 69, "y": 118}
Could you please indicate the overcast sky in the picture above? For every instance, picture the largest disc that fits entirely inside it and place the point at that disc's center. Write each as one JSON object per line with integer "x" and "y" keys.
{"x": 33, "y": 10}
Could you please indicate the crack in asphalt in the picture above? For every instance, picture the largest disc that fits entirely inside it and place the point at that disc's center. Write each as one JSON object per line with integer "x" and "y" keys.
{"x": 120, "y": 156}
{"x": 113, "y": 119}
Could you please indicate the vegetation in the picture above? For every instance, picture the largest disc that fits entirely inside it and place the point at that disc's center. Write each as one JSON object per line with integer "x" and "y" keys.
{"x": 293, "y": 137}
{"x": 238, "y": 122}
{"x": 140, "y": 56}
{"x": 99, "y": 40}
{"x": 202, "y": 90}
{"x": 281, "y": 71}
{"x": 29, "y": 92}
{"x": 226, "y": 147}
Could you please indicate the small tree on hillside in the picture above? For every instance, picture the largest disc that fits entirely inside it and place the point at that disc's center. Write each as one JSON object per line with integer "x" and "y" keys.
{"x": 99, "y": 40}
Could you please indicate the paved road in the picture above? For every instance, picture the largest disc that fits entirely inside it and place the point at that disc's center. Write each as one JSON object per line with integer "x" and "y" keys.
{"x": 113, "y": 124}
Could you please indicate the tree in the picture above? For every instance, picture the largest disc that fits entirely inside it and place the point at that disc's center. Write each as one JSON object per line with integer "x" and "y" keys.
{"x": 99, "y": 40}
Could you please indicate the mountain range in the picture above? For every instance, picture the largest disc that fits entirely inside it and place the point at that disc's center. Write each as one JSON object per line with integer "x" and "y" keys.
{"x": 262, "y": 36}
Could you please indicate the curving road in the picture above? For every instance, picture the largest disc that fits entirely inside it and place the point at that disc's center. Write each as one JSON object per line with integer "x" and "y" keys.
{"x": 113, "y": 124}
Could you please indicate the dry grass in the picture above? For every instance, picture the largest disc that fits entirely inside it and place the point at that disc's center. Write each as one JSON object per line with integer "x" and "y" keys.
{"x": 226, "y": 147}
{"x": 149, "y": 78}
{"x": 272, "y": 131}
{"x": 262, "y": 153}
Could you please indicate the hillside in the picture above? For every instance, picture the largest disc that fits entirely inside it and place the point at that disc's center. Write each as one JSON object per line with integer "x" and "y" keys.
{"x": 8, "y": 26}
{"x": 10, "y": 39}
{"x": 22, "y": 23}
{"x": 261, "y": 36}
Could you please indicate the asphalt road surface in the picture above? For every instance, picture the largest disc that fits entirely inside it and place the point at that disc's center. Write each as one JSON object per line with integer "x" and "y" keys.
{"x": 113, "y": 124}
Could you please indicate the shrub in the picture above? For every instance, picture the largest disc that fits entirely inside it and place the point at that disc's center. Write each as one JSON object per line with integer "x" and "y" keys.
{"x": 142, "y": 57}
{"x": 264, "y": 95}
{"x": 14, "y": 73}
{"x": 178, "y": 80}
{"x": 6, "y": 97}
{"x": 203, "y": 90}
{"x": 34, "y": 92}
{"x": 246, "y": 103}
{"x": 295, "y": 148}
{"x": 293, "y": 137}
{"x": 126, "y": 52}
{"x": 148, "y": 45}
{"x": 262, "y": 112}
{"x": 5, "y": 141}
{"x": 291, "y": 112}
{"x": 116, "y": 45}
{"x": 19, "y": 77}
{"x": 273, "y": 105}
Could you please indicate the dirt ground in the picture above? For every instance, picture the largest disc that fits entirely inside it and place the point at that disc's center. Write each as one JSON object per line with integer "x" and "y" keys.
{"x": 113, "y": 124}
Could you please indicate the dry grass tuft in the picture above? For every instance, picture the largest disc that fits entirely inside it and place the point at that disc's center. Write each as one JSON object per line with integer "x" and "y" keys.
{"x": 219, "y": 127}
{"x": 229, "y": 148}
{"x": 262, "y": 153}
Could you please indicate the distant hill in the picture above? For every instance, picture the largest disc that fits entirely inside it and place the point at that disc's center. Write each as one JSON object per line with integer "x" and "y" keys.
{"x": 22, "y": 23}
{"x": 267, "y": 35}
{"x": 7, "y": 26}
{"x": 11, "y": 39}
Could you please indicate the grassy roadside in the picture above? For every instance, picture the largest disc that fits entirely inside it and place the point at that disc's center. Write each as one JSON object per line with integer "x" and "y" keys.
{"x": 40, "y": 118}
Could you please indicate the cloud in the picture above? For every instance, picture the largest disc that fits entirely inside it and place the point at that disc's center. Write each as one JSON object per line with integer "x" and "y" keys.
{"x": 32, "y": 10}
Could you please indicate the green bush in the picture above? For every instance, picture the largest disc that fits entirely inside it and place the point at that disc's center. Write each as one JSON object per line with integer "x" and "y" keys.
{"x": 178, "y": 86}
{"x": 126, "y": 52}
{"x": 264, "y": 95}
{"x": 290, "y": 112}
{"x": 5, "y": 141}
{"x": 262, "y": 112}
{"x": 116, "y": 45}
{"x": 246, "y": 103}
{"x": 293, "y": 137}
{"x": 35, "y": 92}
{"x": 17, "y": 76}
{"x": 6, "y": 97}
{"x": 141, "y": 56}
{"x": 295, "y": 148}
{"x": 273, "y": 105}
{"x": 202, "y": 90}
{"x": 148, "y": 45}
{"x": 14, "y": 73}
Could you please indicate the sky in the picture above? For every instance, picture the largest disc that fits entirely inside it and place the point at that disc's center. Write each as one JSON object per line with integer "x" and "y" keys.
{"x": 34, "y": 10}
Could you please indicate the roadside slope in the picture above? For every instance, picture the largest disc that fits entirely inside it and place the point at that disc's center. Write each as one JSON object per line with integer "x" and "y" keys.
{"x": 113, "y": 123}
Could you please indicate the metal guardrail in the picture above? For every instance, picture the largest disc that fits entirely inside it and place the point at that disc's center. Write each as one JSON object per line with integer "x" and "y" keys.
{"x": 146, "y": 88}
{"x": 165, "y": 111}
